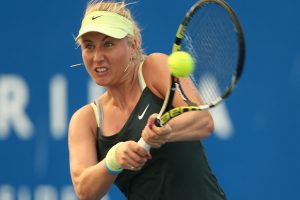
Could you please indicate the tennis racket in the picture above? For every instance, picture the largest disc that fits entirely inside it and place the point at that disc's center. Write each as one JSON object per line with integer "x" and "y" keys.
{"x": 212, "y": 34}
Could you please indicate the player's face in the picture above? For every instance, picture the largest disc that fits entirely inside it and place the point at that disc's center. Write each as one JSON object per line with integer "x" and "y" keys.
{"x": 105, "y": 58}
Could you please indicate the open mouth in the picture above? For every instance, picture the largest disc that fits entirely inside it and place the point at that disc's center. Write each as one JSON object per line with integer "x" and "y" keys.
{"x": 101, "y": 69}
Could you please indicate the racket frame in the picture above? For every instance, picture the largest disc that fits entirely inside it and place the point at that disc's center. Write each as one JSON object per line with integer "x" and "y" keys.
{"x": 163, "y": 117}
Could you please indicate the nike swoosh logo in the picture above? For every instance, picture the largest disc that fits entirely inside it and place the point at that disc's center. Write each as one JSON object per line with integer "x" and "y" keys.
{"x": 93, "y": 18}
{"x": 142, "y": 115}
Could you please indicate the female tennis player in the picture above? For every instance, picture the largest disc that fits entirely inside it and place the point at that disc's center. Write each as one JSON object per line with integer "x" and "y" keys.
{"x": 103, "y": 135}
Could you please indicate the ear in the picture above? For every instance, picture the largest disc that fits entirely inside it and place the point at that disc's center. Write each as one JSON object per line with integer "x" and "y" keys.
{"x": 133, "y": 47}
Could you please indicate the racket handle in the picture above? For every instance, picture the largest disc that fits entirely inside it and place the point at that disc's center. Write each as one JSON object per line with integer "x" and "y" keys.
{"x": 143, "y": 144}
{"x": 157, "y": 122}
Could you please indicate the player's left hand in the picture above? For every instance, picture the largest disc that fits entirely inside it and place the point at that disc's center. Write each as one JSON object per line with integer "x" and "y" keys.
{"x": 156, "y": 136}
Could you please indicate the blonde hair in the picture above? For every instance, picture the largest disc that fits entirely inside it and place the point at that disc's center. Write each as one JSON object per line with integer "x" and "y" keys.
{"x": 121, "y": 9}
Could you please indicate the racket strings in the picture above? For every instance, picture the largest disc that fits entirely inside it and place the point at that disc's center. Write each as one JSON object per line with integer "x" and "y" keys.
{"x": 211, "y": 39}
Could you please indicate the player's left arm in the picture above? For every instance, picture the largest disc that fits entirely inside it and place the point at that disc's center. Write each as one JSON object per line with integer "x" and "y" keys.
{"x": 190, "y": 125}
{"x": 187, "y": 126}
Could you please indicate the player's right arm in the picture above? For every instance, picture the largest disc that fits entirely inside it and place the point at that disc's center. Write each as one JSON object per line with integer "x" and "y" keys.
{"x": 90, "y": 178}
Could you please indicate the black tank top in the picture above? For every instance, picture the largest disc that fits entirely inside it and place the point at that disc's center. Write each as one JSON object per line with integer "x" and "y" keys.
{"x": 177, "y": 170}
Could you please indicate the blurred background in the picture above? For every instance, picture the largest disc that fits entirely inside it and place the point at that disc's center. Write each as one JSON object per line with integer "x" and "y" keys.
{"x": 254, "y": 151}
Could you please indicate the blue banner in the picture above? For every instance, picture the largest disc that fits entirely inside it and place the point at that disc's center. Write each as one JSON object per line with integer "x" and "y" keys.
{"x": 254, "y": 150}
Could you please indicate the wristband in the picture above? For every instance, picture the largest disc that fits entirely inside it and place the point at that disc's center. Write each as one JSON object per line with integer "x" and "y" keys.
{"x": 111, "y": 164}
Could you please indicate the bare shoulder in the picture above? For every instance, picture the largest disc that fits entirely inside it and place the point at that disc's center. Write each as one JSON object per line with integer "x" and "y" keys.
{"x": 156, "y": 73}
{"x": 156, "y": 61}
{"x": 83, "y": 119}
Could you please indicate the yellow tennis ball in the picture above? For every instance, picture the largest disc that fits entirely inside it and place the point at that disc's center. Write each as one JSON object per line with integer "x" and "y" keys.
{"x": 181, "y": 64}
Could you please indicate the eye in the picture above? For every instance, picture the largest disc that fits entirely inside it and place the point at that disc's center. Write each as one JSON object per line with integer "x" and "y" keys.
{"x": 108, "y": 44}
{"x": 88, "y": 46}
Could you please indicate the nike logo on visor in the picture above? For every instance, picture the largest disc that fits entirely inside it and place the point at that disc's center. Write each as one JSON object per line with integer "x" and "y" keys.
{"x": 96, "y": 17}
{"x": 142, "y": 115}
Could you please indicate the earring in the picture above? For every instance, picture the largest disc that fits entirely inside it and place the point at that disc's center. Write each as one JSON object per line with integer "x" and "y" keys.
{"x": 126, "y": 67}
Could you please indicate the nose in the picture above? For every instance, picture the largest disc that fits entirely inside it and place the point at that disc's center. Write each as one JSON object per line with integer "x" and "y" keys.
{"x": 98, "y": 56}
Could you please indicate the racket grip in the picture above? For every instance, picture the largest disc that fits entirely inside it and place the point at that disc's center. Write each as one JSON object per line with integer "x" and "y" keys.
{"x": 143, "y": 144}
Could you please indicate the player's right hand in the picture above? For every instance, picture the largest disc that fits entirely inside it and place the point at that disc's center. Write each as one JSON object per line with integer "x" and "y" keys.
{"x": 131, "y": 156}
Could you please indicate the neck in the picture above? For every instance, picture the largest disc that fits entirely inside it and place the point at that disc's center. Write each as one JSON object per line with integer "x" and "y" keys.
{"x": 127, "y": 92}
